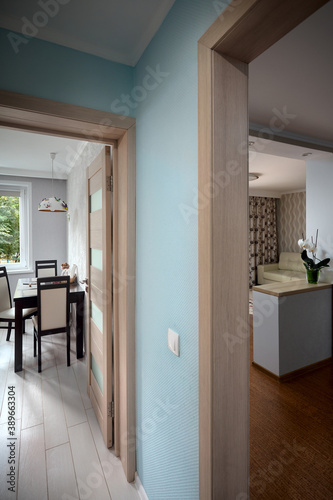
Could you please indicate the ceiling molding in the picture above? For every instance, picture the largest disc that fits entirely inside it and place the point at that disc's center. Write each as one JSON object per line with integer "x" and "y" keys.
{"x": 265, "y": 132}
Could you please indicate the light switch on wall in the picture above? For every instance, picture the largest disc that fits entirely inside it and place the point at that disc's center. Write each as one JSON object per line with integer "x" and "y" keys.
{"x": 173, "y": 341}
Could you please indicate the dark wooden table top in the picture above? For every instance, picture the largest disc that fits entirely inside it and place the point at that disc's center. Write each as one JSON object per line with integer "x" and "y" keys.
{"x": 27, "y": 287}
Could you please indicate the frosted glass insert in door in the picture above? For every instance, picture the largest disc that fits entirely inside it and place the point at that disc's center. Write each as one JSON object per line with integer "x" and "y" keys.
{"x": 97, "y": 373}
{"x": 96, "y": 258}
{"x": 96, "y": 201}
{"x": 97, "y": 316}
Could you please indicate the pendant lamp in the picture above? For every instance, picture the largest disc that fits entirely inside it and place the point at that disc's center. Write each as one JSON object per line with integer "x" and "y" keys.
{"x": 52, "y": 204}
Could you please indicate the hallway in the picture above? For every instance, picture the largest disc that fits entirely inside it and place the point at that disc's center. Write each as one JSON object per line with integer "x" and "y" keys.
{"x": 57, "y": 451}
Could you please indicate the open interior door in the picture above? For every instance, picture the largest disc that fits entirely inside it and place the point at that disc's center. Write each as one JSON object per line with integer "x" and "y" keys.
{"x": 100, "y": 307}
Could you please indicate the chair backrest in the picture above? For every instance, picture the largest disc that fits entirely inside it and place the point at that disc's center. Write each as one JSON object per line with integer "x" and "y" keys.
{"x": 5, "y": 297}
{"x": 45, "y": 268}
{"x": 53, "y": 304}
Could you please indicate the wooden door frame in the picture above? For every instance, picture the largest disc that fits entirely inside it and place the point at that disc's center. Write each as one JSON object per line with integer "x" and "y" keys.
{"x": 32, "y": 114}
{"x": 244, "y": 30}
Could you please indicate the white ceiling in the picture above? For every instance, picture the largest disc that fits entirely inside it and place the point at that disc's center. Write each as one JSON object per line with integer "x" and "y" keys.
{"x": 276, "y": 175}
{"x": 24, "y": 153}
{"x": 118, "y": 30}
{"x": 294, "y": 78}
{"x": 281, "y": 167}
{"x": 295, "y": 74}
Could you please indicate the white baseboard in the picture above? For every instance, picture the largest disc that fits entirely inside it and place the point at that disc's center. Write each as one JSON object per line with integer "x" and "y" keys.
{"x": 140, "y": 488}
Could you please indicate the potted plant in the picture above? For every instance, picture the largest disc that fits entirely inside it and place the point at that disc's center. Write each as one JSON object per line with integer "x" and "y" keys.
{"x": 312, "y": 267}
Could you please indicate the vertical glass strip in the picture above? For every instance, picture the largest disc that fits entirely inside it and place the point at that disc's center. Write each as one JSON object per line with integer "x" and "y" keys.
{"x": 96, "y": 258}
{"x": 95, "y": 201}
{"x": 97, "y": 372}
{"x": 96, "y": 315}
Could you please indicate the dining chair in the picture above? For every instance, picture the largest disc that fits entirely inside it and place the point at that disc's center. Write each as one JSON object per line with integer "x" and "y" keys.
{"x": 45, "y": 268}
{"x": 53, "y": 312}
{"x": 7, "y": 312}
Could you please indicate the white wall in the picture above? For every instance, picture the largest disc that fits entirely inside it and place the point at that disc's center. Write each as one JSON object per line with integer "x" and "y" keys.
{"x": 49, "y": 230}
{"x": 77, "y": 203}
{"x": 319, "y": 210}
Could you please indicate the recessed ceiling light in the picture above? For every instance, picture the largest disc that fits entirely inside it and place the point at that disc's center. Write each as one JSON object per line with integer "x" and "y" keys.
{"x": 306, "y": 154}
{"x": 251, "y": 143}
{"x": 253, "y": 177}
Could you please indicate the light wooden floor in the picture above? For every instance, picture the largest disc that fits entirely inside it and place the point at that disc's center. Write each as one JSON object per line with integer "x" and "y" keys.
{"x": 58, "y": 448}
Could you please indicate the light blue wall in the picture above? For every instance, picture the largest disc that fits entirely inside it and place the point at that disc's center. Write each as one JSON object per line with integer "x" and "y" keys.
{"x": 47, "y": 70}
{"x": 164, "y": 99}
{"x": 167, "y": 256}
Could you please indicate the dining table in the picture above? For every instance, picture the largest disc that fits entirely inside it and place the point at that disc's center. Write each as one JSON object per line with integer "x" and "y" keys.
{"x": 26, "y": 297}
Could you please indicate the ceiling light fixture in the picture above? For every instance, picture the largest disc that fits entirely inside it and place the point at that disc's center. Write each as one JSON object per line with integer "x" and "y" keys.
{"x": 253, "y": 177}
{"x": 306, "y": 154}
{"x": 251, "y": 143}
{"x": 52, "y": 204}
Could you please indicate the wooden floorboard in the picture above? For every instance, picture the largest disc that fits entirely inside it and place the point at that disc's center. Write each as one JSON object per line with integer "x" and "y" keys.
{"x": 291, "y": 432}
{"x": 57, "y": 453}
{"x": 60, "y": 473}
{"x": 291, "y": 435}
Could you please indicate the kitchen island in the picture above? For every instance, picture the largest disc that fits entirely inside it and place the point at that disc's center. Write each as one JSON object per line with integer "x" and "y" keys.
{"x": 292, "y": 327}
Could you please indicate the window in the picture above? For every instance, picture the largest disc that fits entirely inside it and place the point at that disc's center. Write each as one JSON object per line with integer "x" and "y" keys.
{"x": 15, "y": 226}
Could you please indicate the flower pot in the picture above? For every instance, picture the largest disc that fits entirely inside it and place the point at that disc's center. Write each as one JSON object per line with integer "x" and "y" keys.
{"x": 312, "y": 275}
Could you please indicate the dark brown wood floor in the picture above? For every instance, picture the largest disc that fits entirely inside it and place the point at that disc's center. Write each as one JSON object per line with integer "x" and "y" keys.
{"x": 291, "y": 436}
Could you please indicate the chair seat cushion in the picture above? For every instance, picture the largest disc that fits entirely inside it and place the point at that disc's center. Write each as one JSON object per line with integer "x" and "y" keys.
{"x": 9, "y": 314}
{"x": 35, "y": 322}
{"x": 29, "y": 312}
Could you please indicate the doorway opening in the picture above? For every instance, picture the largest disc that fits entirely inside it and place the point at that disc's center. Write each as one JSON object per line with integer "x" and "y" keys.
{"x": 243, "y": 31}
{"x": 22, "y": 112}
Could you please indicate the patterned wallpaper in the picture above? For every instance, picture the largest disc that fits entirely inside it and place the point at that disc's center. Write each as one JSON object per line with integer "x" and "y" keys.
{"x": 291, "y": 221}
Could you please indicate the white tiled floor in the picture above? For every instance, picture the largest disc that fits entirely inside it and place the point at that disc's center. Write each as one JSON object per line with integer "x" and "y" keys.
{"x": 59, "y": 452}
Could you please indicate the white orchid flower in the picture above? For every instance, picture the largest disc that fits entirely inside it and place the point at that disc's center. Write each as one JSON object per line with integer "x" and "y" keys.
{"x": 309, "y": 245}
{"x": 301, "y": 243}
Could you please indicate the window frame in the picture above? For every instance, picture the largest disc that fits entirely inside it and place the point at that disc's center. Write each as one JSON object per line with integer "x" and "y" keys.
{"x": 24, "y": 192}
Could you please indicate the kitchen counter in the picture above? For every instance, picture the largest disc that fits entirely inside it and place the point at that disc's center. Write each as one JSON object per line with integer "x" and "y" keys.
{"x": 292, "y": 327}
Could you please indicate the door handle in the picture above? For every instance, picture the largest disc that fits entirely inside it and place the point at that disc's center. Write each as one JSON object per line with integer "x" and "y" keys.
{"x": 85, "y": 282}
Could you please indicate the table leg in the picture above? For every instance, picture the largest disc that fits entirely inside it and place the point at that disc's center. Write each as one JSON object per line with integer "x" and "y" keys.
{"x": 18, "y": 338}
{"x": 79, "y": 326}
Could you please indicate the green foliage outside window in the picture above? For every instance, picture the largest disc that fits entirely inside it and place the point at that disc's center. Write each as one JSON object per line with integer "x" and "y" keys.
{"x": 9, "y": 228}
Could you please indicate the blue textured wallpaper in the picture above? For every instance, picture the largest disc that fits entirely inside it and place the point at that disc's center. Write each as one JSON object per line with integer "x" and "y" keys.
{"x": 163, "y": 96}
{"x": 167, "y": 254}
{"x": 47, "y": 70}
